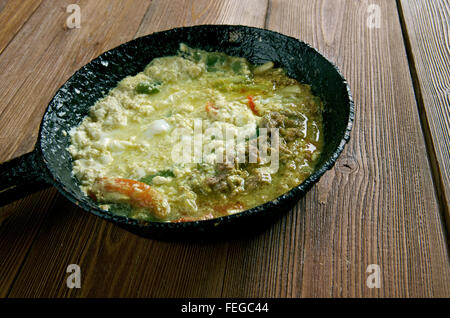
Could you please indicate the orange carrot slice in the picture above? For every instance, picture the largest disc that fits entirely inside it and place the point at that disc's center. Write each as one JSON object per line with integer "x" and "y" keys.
{"x": 137, "y": 194}
{"x": 251, "y": 105}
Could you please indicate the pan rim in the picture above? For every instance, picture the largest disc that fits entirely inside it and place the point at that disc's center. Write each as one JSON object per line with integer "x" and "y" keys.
{"x": 291, "y": 194}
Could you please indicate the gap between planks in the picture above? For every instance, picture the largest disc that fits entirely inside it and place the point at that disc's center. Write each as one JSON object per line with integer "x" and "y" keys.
{"x": 436, "y": 172}
{"x": 82, "y": 252}
{"x": 39, "y": 229}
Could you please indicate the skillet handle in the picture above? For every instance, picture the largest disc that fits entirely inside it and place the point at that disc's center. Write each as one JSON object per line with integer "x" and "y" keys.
{"x": 22, "y": 176}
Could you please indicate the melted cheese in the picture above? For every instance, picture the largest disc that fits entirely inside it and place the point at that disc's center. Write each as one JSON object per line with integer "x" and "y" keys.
{"x": 131, "y": 132}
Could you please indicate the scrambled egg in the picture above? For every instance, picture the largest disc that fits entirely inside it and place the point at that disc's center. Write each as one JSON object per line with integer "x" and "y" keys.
{"x": 167, "y": 128}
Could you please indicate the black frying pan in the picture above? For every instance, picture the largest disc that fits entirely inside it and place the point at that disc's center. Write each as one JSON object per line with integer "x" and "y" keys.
{"x": 51, "y": 164}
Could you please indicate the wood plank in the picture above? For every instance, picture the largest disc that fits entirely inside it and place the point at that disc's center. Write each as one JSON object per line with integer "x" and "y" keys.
{"x": 13, "y": 15}
{"x": 52, "y": 260}
{"x": 323, "y": 247}
{"x": 19, "y": 224}
{"x": 427, "y": 30}
{"x": 169, "y": 14}
{"x": 378, "y": 205}
{"x": 53, "y": 53}
{"x": 117, "y": 263}
{"x": 151, "y": 268}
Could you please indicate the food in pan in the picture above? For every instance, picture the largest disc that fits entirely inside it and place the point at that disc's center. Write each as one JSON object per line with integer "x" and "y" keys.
{"x": 197, "y": 136}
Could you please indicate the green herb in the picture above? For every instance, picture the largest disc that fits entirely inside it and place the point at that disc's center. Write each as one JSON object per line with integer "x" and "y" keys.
{"x": 215, "y": 61}
{"x": 211, "y": 59}
{"x": 163, "y": 173}
{"x": 148, "y": 88}
{"x": 197, "y": 56}
{"x": 122, "y": 209}
{"x": 236, "y": 66}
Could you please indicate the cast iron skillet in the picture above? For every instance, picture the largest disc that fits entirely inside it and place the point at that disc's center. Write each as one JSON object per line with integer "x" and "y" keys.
{"x": 51, "y": 164}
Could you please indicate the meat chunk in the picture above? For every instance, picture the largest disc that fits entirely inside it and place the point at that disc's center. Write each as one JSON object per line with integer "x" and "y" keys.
{"x": 291, "y": 124}
{"x": 273, "y": 120}
{"x": 227, "y": 179}
{"x": 258, "y": 177}
{"x": 285, "y": 119}
{"x": 291, "y": 134}
{"x": 217, "y": 183}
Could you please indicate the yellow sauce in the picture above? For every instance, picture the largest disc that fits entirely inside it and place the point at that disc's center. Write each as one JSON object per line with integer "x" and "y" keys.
{"x": 169, "y": 126}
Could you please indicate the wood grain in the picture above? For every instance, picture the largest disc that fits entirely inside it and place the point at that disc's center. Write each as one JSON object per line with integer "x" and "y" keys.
{"x": 427, "y": 26}
{"x": 109, "y": 266}
{"x": 169, "y": 14}
{"x": 18, "y": 229}
{"x": 54, "y": 52}
{"x": 13, "y": 15}
{"x": 379, "y": 206}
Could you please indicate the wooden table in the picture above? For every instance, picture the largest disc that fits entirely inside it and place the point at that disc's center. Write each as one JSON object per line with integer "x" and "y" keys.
{"x": 385, "y": 202}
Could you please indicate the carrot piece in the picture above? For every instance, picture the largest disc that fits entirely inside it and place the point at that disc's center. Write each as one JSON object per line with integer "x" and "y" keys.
{"x": 251, "y": 105}
{"x": 210, "y": 107}
{"x": 137, "y": 193}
